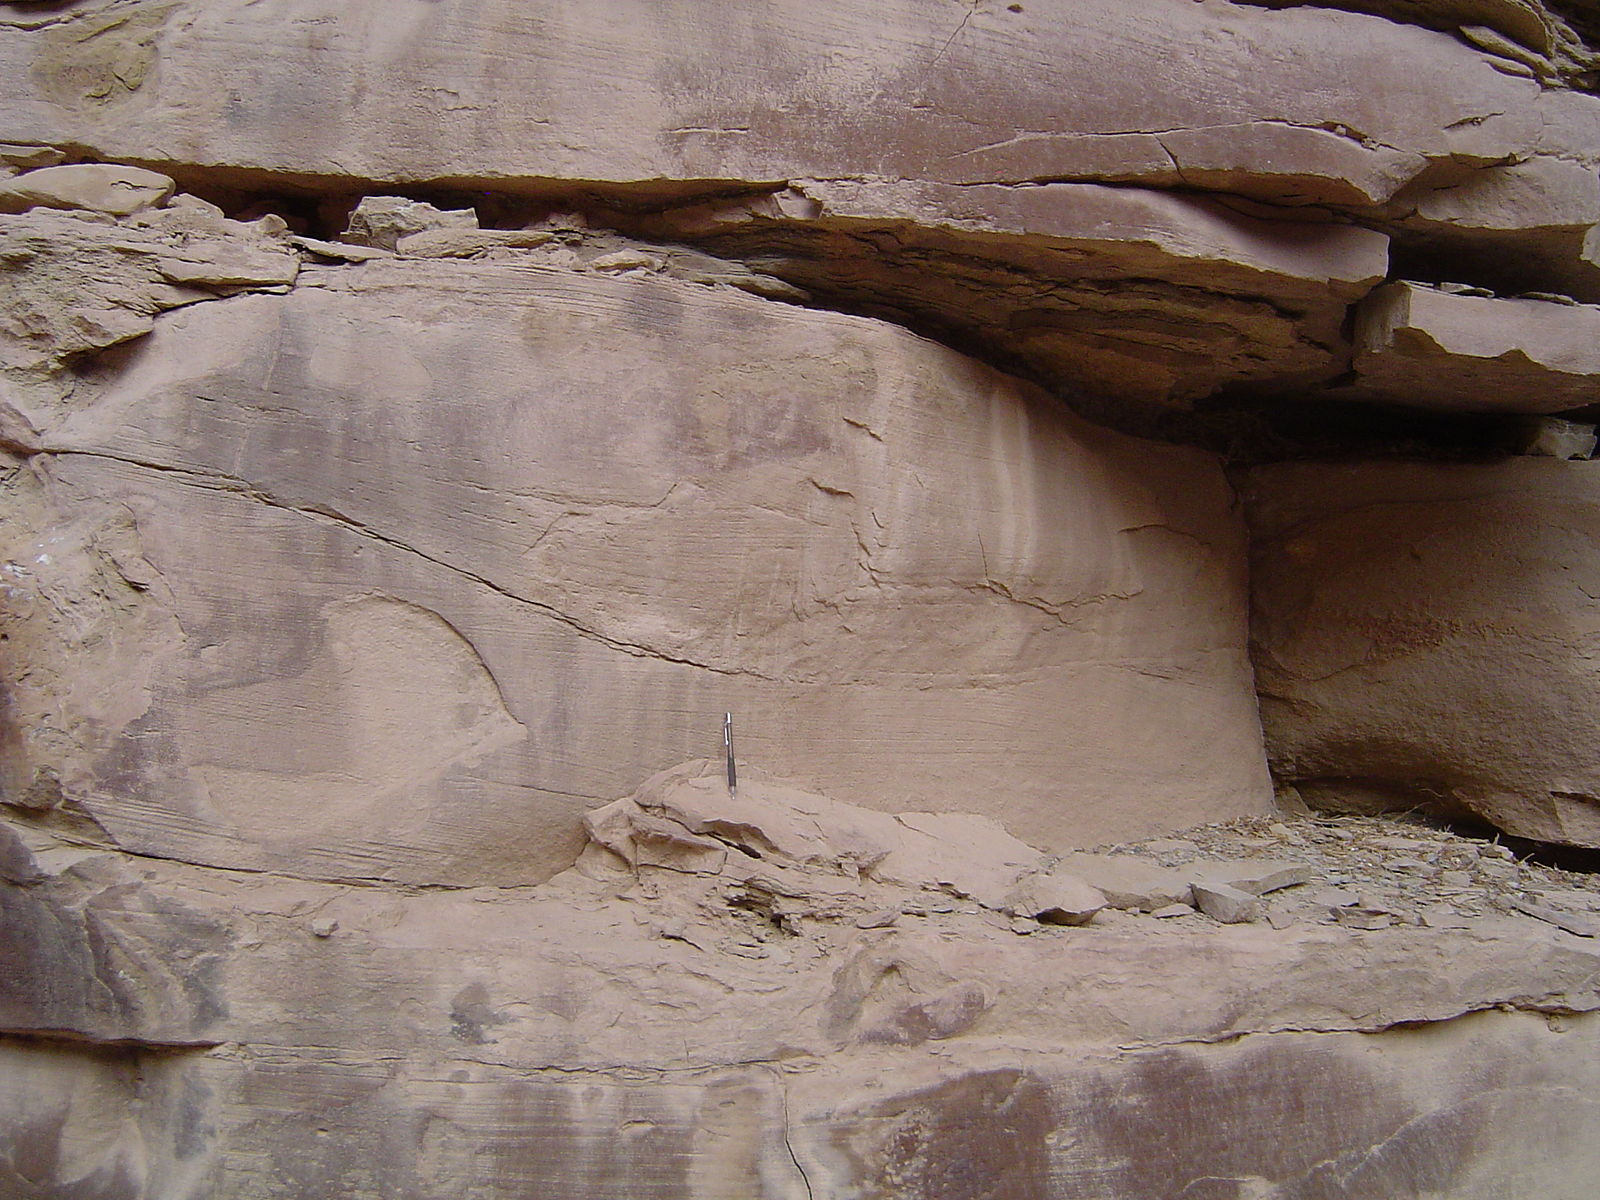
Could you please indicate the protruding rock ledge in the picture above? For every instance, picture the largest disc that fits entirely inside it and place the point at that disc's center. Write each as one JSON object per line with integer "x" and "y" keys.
{"x": 1141, "y": 296}
{"x": 1438, "y": 348}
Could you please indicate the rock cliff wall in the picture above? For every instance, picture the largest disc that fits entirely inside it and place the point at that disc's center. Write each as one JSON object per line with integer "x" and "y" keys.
{"x": 1041, "y": 424}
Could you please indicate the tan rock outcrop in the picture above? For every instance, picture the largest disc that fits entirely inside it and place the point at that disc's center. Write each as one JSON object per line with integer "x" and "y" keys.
{"x": 76, "y": 282}
{"x": 1168, "y": 93}
{"x": 1155, "y": 298}
{"x": 1424, "y": 636}
{"x": 596, "y": 512}
{"x": 519, "y": 397}
{"x": 638, "y": 1028}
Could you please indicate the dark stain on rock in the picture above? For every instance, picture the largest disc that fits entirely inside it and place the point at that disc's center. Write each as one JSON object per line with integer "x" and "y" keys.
{"x": 127, "y": 965}
{"x": 979, "y": 1137}
{"x": 472, "y": 1016}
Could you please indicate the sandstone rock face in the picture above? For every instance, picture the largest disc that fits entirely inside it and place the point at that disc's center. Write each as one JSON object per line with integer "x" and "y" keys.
{"x": 1425, "y": 635}
{"x": 423, "y": 422}
{"x": 944, "y": 157}
{"x": 1153, "y": 297}
{"x": 1169, "y": 93}
{"x": 728, "y": 1027}
{"x": 435, "y": 555}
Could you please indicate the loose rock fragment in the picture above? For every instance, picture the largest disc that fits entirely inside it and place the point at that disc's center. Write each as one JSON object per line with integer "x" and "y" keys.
{"x": 382, "y": 221}
{"x": 95, "y": 187}
{"x": 1357, "y": 917}
{"x": 1055, "y": 899}
{"x": 462, "y": 242}
{"x": 1230, "y": 905}
{"x": 1129, "y": 882}
{"x": 1255, "y": 876}
{"x": 343, "y": 251}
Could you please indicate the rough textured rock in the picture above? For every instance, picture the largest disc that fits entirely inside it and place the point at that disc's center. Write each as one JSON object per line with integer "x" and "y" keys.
{"x": 77, "y": 282}
{"x": 1168, "y": 93}
{"x": 382, "y": 221}
{"x": 941, "y": 142}
{"x": 1153, "y": 297}
{"x": 640, "y": 1029}
{"x": 1425, "y": 634}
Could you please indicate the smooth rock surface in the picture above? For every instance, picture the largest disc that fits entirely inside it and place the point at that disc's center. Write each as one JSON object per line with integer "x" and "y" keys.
{"x": 1425, "y": 635}
{"x": 579, "y": 508}
{"x": 94, "y": 187}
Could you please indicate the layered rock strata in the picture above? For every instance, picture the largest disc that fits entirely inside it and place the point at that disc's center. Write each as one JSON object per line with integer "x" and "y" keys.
{"x": 794, "y": 998}
{"x": 424, "y": 421}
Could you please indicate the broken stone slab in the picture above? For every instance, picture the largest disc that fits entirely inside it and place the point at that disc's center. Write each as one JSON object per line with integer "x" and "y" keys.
{"x": 1230, "y": 905}
{"x": 627, "y": 260}
{"x": 643, "y": 839}
{"x": 27, "y": 158}
{"x": 342, "y": 251}
{"x": 1256, "y": 876}
{"x": 454, "y": 241}
{"x": 1359, "y": 917}
{"x": 1054, "y": 899}
{"x": 1583, "y": 924}
{"x": 1335, "y": 897}
{"x": 686, "y": 819}
{"x": 381, "y": 221}
{"x": 94, "y": 187}
{"x": 1129, "y": 882}
{"x": 771, "y": 820}
{"x": 1421, "y": 346}
{"x": 963, "y": 853}
{"x": 82, "y": 281}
